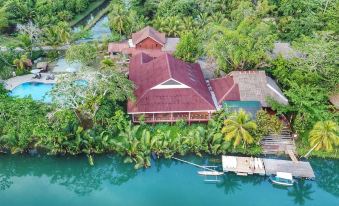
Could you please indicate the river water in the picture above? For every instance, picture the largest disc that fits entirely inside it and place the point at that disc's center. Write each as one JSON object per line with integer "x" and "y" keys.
{"x": 51, "y": 181}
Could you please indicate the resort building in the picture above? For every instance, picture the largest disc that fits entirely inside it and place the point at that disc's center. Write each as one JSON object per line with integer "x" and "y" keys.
{"x": 148, "y": 40}
{"x": 249, "y": 90}
{"x": 168, "y": 89}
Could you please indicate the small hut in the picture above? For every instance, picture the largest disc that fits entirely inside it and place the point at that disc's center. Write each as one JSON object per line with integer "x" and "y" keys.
{"x": 43, "y": 66}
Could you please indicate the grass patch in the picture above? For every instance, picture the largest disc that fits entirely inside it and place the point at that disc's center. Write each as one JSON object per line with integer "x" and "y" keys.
{"x": 91, "y": 7}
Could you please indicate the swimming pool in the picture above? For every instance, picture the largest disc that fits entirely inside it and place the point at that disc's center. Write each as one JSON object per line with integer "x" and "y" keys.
{"x": 38, "y": 91}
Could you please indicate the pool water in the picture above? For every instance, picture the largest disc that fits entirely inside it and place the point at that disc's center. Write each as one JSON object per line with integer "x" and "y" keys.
{"x": 65, "y": 180}
{"x": 38, "y": 91}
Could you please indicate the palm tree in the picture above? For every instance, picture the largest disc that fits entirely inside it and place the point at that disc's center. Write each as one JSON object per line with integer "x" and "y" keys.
{"x": 3, "y": 18}
{"x": 301, "y": 192}
{"x": 324, "y": 135}
{"x": 22, "y": 62}
{"x": 117, "y": 19}
{"x": 238, "y": 127}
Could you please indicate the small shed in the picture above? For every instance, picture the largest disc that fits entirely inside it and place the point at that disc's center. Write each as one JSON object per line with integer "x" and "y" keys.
{"x": 249, "y": 106}
{"x": 42, "y": 65}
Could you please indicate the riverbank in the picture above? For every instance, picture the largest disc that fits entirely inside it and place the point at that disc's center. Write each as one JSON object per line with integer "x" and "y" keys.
{"x": 97, "y": 18}
{"x": 69, "y": 180}
{"x": 94, "y": 5}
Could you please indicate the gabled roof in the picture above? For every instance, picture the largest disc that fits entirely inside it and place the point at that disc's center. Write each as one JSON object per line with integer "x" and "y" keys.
{"x": 225, "y": 89}
{"x": 247, "y": 86}
{"x": 118, "y": 47}
{"x": 147, "y": 72}
{"x": 148, "y": 32}
{"x": 256, "y": 86}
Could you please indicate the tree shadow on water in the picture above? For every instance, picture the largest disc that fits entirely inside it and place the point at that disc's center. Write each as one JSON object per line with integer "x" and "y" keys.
{"x": 300, "y": 192}
{"x": 230, "y": 183}
{"x": 72, "y": 172}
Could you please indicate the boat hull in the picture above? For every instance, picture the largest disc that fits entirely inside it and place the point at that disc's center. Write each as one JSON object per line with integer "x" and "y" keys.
{"x": 280, "y": 182}
{"x": 210, "y": 173}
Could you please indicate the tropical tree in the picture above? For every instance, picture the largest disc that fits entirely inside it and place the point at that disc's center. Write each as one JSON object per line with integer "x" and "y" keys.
{"x": 29, "y": 35}
{"x": 324, "y": 135}
{"x": 238, "y": 128}
{"x": 123, "y": 21}
{"x": 57, "y": 35}
{"x": 244, "y": 42}
{"x": 84, "y": 53}
{"x": 189, "y": 48}
{"x": 172, "y": 25}
{"x": 87, "y": 97}
{"x": 22, "y": 62}
{"x": 4, "y": 21}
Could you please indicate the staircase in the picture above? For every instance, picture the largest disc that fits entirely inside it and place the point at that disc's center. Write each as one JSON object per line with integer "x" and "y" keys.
{"x": 279, "y": 143}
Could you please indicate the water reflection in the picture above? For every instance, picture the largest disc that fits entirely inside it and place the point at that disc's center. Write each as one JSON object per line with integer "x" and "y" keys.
{"x": 327, "y": 175}
{"x": 74, "y": 173}
{"x": 231, "y": 183}
{"x": 301, "y": 191}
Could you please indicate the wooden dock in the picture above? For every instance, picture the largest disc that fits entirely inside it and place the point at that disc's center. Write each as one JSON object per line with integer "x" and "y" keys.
{"x": 243, "y": 166}
{"x": 298, "y": 169}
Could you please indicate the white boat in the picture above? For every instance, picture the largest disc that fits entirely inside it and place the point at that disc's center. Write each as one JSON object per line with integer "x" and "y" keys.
{"x": 210, "y": 173}
{"x": 283, "y": 178}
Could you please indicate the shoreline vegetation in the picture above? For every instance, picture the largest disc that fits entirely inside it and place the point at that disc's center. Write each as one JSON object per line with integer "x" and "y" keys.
{"x": 91, "y": 7}
{"x": 91, "y": 118}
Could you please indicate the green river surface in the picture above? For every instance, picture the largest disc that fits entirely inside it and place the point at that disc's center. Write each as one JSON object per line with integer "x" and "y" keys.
{"x": 48, "y": 181}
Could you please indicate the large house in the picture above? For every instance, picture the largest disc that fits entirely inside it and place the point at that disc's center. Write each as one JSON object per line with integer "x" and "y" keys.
{"x": 148, "y": 41}
{"x": 168, "y": 89}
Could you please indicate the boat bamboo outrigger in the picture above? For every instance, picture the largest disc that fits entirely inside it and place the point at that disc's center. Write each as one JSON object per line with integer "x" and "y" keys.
{"x": 282, "y": 178}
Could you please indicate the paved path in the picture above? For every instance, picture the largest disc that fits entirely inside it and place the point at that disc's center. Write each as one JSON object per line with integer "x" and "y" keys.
{"x": 16, "y": 81}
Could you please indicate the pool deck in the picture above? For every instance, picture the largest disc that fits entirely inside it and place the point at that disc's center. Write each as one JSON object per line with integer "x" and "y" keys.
{"x": 11, "y": 83}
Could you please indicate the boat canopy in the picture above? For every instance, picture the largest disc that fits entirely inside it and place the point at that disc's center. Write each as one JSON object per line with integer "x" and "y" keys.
{"x": 285, "y": 175}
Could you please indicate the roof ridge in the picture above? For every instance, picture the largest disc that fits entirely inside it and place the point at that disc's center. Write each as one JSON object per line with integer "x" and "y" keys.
{"x": 232, "y": 87}
{"x": 222, "y": 77}
{"x": 168, "y": 65}
{"x": 203, "y": 97}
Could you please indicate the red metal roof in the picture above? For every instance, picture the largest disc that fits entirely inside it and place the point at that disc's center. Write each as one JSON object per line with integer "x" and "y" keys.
{"x": 147, "y": 72}
{"x": 148, "y": 32}
{"x": 149, "y": 52}
{"x": 225, "y": 89}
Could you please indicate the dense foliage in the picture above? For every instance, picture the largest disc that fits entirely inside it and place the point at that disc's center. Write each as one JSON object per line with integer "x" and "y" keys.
{"x": 42, "y": 12}
{"x": 235, "y": 34}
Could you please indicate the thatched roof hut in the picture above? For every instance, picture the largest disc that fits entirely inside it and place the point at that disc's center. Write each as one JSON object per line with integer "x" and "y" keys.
{"x": 42, "y": 65}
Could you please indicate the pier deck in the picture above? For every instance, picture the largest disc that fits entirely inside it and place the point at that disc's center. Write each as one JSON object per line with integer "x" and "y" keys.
{"x": 298, "y": 169}
{"x": 243, "y": 166}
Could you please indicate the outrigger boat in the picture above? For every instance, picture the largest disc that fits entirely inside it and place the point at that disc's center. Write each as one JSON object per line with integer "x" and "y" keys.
{"x": 282, "y": 178}
{"x": 210, "y": 173}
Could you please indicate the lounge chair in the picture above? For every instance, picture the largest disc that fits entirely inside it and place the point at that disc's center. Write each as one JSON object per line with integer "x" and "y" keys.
{"x": 50, "y": 77}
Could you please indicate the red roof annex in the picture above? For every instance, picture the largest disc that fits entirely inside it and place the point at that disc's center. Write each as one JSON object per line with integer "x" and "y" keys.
{"x": 225, "y": 89}
{"x": 148, "y": 32}
{"x": 189, "y": 94}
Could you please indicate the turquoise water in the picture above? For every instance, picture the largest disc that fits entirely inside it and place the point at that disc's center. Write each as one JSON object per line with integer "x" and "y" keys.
{"x": 38, "y": 91}
{"x": 42, "y": 181}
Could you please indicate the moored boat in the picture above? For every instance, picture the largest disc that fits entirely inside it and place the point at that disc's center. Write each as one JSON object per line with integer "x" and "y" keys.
{"x": 282, "y": 178}
{"x": 210, "y": 173}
